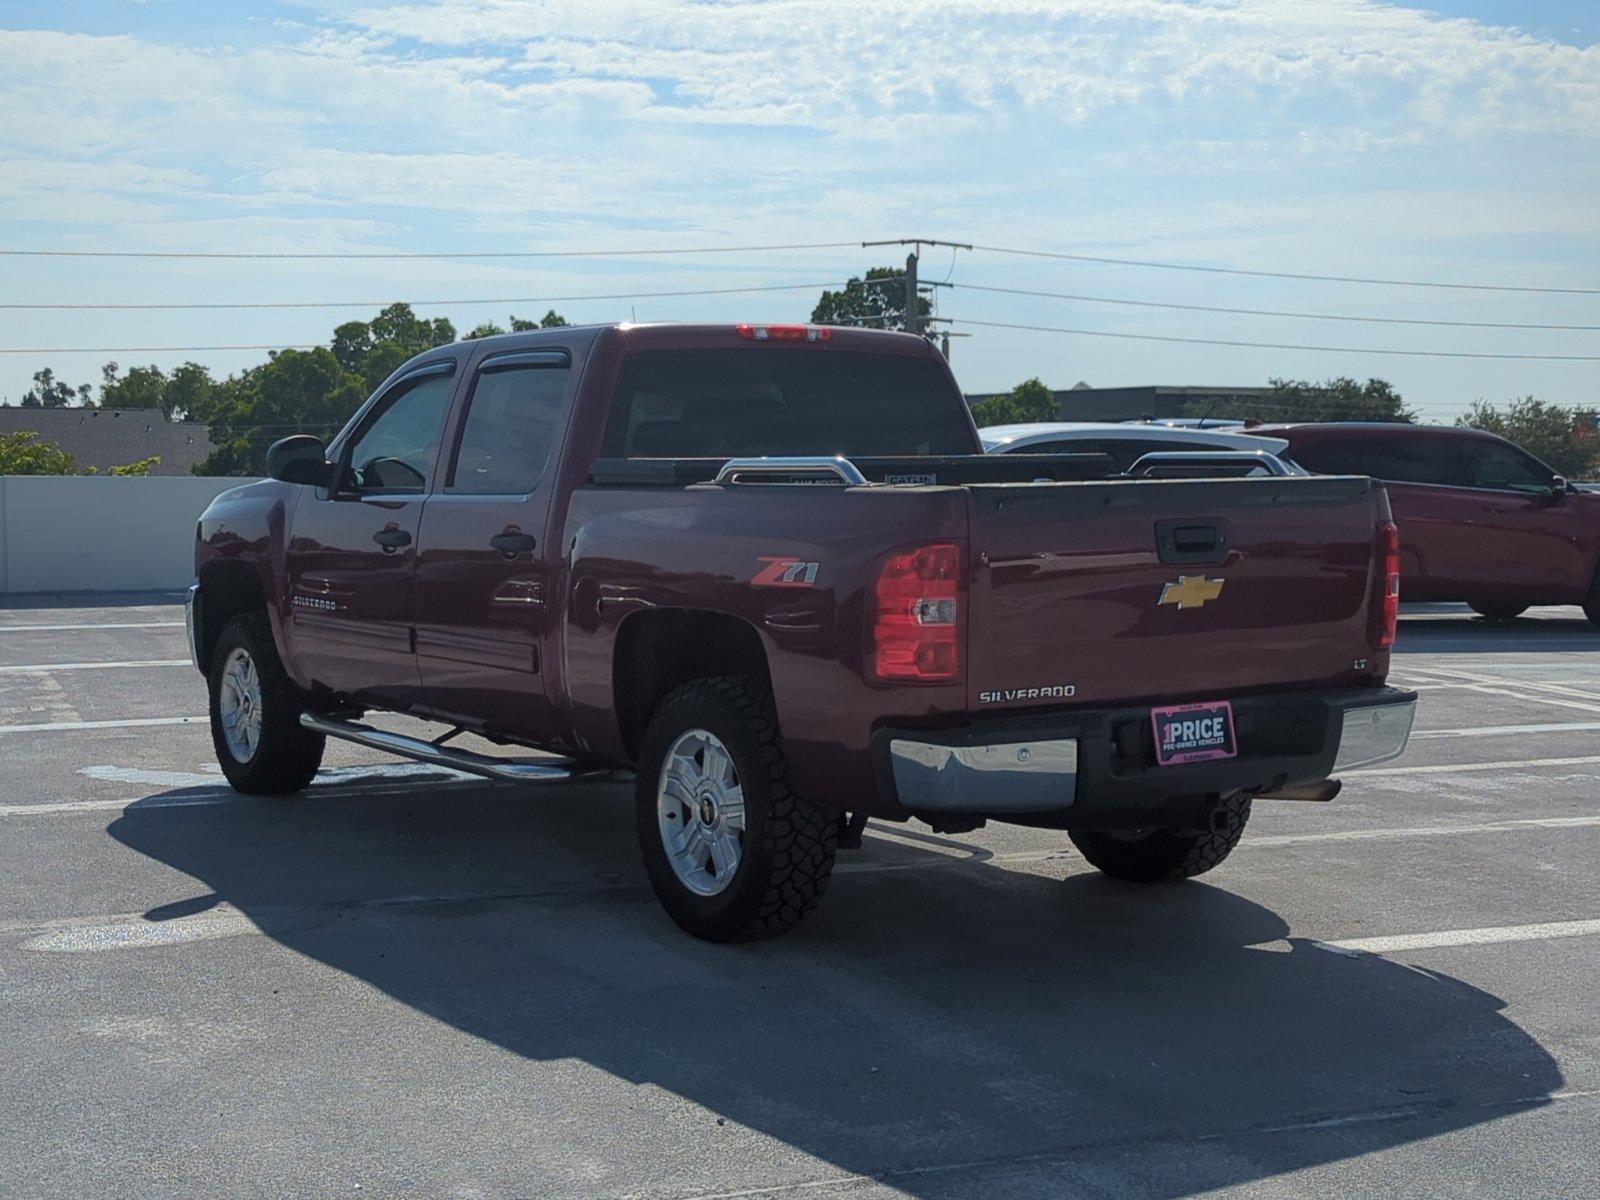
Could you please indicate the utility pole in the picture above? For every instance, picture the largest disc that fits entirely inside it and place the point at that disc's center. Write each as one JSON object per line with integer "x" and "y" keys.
{"x": 913, "y": 308}
{"x": 913, "y": 314}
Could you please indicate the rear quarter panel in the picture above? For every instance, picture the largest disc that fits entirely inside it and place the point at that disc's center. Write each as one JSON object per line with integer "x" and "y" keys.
{"x": 631, "y": 550}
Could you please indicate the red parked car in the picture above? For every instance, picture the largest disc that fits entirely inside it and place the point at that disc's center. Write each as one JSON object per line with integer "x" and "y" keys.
{"x": 1481, "y": 520}
{"x": 635, "y": 547}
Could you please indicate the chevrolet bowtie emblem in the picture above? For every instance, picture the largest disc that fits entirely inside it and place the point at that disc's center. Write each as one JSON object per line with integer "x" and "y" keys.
{"x": 1191, "y": 591}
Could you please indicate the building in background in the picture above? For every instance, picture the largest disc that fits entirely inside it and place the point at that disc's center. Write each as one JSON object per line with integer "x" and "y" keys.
{"x": 1084, "y": 403}
{"x": 113, "y": 437}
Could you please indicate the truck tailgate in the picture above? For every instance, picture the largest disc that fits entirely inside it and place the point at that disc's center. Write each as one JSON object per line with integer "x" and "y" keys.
{"x": 1099, "y": 593}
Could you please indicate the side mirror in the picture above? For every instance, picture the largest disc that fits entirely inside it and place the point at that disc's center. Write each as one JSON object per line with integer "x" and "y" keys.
{"x": 300, "y": 459}
{"x": 1559, "y": 485}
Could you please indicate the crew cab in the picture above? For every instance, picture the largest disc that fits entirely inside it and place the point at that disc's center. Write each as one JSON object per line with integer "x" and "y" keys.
{"x": 1481, "y": 520}
{"x": 768, "y": 571}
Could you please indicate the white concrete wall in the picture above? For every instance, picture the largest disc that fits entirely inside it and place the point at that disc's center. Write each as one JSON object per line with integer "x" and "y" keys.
{"x": 72, "y": 533}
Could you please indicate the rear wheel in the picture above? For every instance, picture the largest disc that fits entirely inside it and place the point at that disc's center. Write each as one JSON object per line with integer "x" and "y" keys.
{"x": 731, "y": 852}
{"x": 1591, "y": 606}
{"x": 1503, "y": 611}
{"x": 255, "y": 713}
{"x": 1161, "y": 854}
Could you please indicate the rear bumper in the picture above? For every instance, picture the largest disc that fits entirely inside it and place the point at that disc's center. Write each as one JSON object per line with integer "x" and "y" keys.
{"x": 1097, "y": 769}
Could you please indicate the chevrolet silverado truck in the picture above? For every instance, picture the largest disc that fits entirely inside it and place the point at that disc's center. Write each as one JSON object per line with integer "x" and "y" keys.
{"x": 768, "y": 571}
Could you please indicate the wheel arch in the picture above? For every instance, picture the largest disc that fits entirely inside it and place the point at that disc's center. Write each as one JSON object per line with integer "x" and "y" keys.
{"x": 228, "y": 588}
{"x": 663, "y": 648}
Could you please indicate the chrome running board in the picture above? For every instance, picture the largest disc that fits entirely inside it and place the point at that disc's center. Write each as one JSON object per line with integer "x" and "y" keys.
{"x": 550, "y": 770}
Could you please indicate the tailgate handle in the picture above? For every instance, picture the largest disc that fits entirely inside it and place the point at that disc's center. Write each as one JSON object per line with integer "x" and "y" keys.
{"x": 1190, "y": 541}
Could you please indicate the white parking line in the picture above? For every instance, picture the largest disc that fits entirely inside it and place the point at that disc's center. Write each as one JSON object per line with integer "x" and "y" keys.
{"x": 51, "y": 668}
{"x": 132, "y": 723}
{"x": 1491, "y": 730}
{"x": 1492, "y": 935}
{"x": 1453, "y": 768}
{"x": 106, "y": 625}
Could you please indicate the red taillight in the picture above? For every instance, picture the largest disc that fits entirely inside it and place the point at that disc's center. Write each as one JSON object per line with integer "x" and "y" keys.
{"x": 783, "y": 333}
{"x": 1389, "y": 597}
{"x": 917, "y": 617}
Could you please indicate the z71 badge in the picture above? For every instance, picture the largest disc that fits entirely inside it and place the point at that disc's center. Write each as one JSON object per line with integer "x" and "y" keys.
{"x": 782, "y": 571}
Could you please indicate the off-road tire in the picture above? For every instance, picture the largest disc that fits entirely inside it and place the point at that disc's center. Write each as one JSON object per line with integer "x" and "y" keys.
{"x": 1165, "y": 855}
{"x": 1505, "y": 611}
{"x": 287, "y": 756}
{"x": 789, "y": 846}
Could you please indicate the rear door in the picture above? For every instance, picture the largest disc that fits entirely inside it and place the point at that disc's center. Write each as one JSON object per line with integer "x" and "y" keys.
{"x": 352, "y": 549}
{"x": 1433, "y": 509}
{"x": 484, "y": 569}
{"x": 1187, "y": 589}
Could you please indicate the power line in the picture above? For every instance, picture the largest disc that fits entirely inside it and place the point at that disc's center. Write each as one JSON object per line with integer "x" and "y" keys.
{"x": 1152, "y": 337}
{"x": 395, "y": 254}
{"x": 780, "y": 287}
{"x": 149, "y": 349}
{"x": 1170, "y": 266}
{"x": 1269, "y": 312}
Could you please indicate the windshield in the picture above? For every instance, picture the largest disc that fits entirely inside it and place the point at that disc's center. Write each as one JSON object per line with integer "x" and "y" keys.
{"x": 747, "y": 403}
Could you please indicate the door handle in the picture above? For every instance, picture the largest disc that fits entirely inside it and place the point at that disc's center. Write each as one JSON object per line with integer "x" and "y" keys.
{"x": 392, "y": 539}
{"x": 513, "y": 542}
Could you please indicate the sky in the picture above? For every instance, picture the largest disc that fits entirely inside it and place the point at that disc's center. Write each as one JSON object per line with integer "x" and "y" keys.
{"x": 1456, "y": 141}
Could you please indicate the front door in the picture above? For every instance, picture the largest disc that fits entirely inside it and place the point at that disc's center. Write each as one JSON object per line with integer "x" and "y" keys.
{"x": 484, "y": 566}
{"x": 1530, "y": 543}
{"x": 352, "y": 549}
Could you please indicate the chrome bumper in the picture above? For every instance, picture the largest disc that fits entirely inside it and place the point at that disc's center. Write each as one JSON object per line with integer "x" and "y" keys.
{"x": 1015, "y": 776}
{"x": 191, "y": 622}
{"x": 1374, "y": 734}
{"x": 1040, "y": 764}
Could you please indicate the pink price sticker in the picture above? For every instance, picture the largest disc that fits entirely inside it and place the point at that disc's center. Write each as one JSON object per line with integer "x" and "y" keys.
{"x": 1187, "y": 733}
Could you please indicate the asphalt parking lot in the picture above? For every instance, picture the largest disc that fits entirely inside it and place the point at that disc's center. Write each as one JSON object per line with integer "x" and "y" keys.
{"x": 408, "y": 984}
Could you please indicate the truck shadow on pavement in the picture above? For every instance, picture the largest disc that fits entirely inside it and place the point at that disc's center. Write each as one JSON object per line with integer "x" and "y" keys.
{"x": 949, "y": 1029}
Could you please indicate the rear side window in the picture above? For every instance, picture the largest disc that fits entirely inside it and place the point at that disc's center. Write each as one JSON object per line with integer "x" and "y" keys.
{"x": 1397, "y": 458}
{"x": 747, "y": 403}
{"x": 1330, "y": 457}
{"x": 509, "y": 428}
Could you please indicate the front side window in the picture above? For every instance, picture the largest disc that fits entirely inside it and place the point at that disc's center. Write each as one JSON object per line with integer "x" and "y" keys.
{"x": 1503, "y": 468}
{"x": 510, "y": 427}
{"x": 392, "y": 451}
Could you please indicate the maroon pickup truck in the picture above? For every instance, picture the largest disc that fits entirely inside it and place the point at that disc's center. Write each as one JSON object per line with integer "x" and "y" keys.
{"x": 769, "y": 571}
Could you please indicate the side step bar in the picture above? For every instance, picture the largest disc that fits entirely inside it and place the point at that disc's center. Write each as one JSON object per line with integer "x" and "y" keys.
{"x": 550, "y": 770}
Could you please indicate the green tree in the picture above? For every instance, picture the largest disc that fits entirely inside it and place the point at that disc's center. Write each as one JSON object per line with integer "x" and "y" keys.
{"x": 876, "y": 301}
{"x": 49, "y": 392}
{"x": 551, "y": 320}
{"x": 141, "y": 467}
{"x": 1563, "y": 437}
{"x": 1030, "y": 400}
{"x": 24, "y": 454}
{"x": 1339, "y": 399}
{"x": 141, "y": 387}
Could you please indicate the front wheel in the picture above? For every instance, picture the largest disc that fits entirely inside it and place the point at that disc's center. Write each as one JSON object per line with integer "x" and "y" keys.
{"x": 730, "y": 851}
{"x": 255, "y": 713}
{"x": 1164, "y": 854}
{"x": 1503, "y": 611}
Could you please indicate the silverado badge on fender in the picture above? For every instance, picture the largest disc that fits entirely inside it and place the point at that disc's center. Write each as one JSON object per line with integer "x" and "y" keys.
{"x": 1190, "y": 591}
